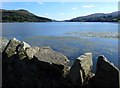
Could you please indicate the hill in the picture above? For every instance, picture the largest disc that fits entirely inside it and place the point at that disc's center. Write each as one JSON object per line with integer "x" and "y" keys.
{"x": 98, "y": 17}
{"x": 21, "y": 16}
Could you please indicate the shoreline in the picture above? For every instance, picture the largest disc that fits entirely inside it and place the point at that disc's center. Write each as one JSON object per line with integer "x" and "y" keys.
{"x": 62, "y": 21}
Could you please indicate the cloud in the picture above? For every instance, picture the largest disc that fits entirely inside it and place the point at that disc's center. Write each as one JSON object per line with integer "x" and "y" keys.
{"x": 88, "y": 6}
{"x": 43, "y": 15}
{"x": 40, "y": 3}
{"x": 62, "y": 2}
{"x": 62, "y": 13}
{"x": 21, "y": 8}
{"x": 74, "y": 8}
{"x": 87, "y": 13}
{"x": 46, "y": 14}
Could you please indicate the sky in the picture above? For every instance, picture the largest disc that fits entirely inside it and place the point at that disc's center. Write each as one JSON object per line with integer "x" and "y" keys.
{"x": 62, "y": 10}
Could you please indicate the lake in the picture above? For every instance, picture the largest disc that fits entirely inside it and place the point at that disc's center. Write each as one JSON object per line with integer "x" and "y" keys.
{"x": 54, "y": 34}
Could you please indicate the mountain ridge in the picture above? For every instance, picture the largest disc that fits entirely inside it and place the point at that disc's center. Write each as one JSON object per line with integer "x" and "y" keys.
{"x": 98, "y": 17}
{"x": 21, "y": 15}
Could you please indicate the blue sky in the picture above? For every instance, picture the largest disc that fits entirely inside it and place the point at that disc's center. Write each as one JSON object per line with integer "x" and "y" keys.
{"x": 62, "y": 10}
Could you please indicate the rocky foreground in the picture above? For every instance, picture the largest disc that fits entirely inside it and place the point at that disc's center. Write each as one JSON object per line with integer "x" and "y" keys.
{"x": 42, "y": 67}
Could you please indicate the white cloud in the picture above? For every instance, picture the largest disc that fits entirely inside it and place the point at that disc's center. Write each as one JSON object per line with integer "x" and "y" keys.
{"x": 88, "y": 6}
{"x": 87, "y": 13}
{"x": 40, "y": 3}
{"x": 21, "y": 8}
{"x": 43, "y": 15}
{"x": 46, "y": 14}
{"x": 62, "y": 13}
{"x": 74, "y": 8}
{"x": 60, "y": 0}
{"x": 73, "y": 13}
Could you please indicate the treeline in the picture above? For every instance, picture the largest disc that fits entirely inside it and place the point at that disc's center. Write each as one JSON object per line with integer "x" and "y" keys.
{"x": 21, "y": 16}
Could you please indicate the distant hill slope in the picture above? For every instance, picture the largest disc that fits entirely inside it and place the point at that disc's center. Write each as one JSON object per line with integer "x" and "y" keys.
{"x": 21, "y": 16}
{"x": 98, "y": 17}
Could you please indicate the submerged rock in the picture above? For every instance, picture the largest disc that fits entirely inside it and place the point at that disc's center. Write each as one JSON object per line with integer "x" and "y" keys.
{"x": 107, "y": 75}
{"x": 80, "y": 72}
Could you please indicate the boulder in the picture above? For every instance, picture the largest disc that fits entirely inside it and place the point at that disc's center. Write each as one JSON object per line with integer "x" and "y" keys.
{"x": 42, "y": 67}
{"x": 80, "y": 71}
{"x": 10, "y": 49}
{"x": 107, "y": 75}
{"x": 26, "y": 66}
{"x": 45, "y": 54}
{"x": 31, "y": 51}
{"x": 3, "y": 43}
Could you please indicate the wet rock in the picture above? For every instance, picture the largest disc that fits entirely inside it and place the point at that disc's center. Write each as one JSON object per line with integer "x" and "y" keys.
{"x": 80, "y": 72}
{"x": 107, "y": 75}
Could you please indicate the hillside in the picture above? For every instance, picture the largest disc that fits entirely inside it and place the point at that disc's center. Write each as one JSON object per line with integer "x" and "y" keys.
{"x": 26, "y": 16}
{"x": 21, "y": 16}
{"x": 98, "y": 17}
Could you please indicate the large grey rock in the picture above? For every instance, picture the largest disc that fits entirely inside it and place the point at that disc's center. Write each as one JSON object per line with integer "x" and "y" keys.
{"x": 45, "y": 54}
{"x": 107, "y": 75}
{"x": 81, "y": 70}
{"x": 3, "y": 43}
{"x": 26, "y": 66}
{"x": 31, "y": 51}
{"x": 42, "y": 67}
{"x": 10, "y": 49}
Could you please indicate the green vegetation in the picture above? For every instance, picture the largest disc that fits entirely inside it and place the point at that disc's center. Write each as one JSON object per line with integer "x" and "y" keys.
{"x": 21, "y": 16}
{"x": 98, "y": 17}
{"x": 25, "y": 16}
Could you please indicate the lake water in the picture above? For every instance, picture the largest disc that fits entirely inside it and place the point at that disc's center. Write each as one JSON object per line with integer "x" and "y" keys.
{"x": 53, "y": 34}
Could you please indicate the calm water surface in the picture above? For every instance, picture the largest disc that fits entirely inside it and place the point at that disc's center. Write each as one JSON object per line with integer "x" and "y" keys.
{"x": 53, "y": 34}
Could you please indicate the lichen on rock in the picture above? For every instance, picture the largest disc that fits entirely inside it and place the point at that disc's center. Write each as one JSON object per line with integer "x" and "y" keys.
{"x": 81, "y": 70}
